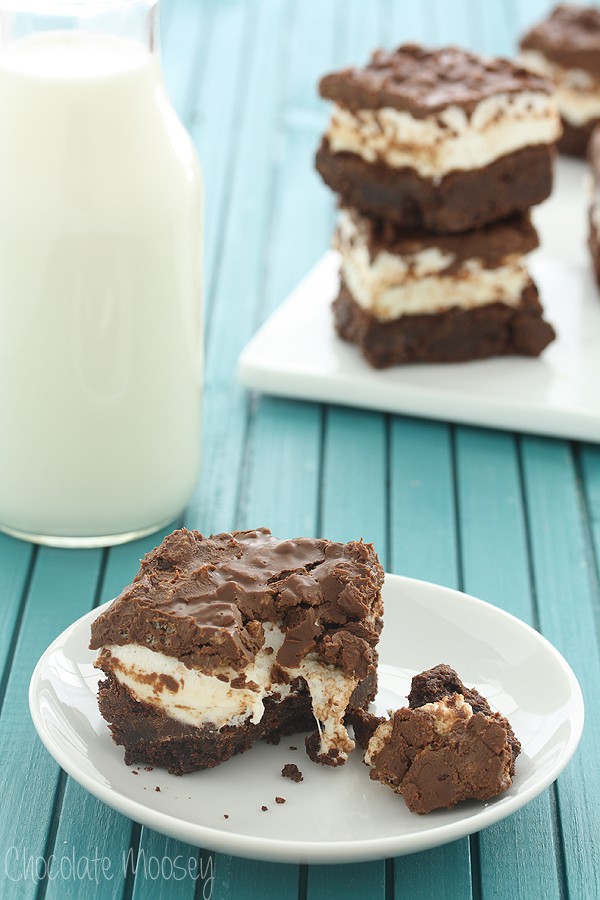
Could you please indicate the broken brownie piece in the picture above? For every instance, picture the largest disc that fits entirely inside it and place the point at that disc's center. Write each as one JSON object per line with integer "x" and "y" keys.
{"x": 445, "y": 747}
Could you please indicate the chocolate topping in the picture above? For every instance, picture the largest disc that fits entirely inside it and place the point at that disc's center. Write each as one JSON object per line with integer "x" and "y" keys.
{"x": 490, "y": 244}
{"x": 204, "y": 600}
{"x": 424, "y": 82}
{"x": 569, "y": 37}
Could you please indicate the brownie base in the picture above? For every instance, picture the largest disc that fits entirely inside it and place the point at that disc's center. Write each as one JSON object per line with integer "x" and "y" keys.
{"x": 594, "y": 246}
{"x": 152, "y": 738}
{"x": 455, "y": 335}
{"x": 459, "y": 202}
{"x": 574, "y": 140}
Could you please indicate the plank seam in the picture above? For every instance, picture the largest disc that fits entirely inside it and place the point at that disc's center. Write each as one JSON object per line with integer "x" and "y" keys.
{"x": 275, "y": 180}
{"x": 302, "y": 882}
{"x": 245, "y": 466}
{"x": 456, "y": 503}
{"x": 17, "y": 626}
{"x": 593, "y": 564}
{"x": 475, "y": 862}
{"x": 390, "y": 888}
{"x": 559, "y": 843}
{"x": 134, "y": 846}
{"x": 535, "y": 616}
{"x": 324, "y": 428}
{"x": 57, "y": 803}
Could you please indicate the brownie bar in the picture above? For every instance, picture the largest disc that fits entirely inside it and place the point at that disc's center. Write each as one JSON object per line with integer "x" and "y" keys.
{"x": 445, "y": 747}
{"x": 575, "y": 139}
{"x": 455, "y": 335}
{"x": 460, "y": 201}
{"x": 221, "y": 641}
{"x": 565, "y": 47}
{"x": 569, "y": 37}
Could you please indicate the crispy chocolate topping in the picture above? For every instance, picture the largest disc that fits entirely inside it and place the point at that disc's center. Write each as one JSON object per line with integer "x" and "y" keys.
{"x": 569, "y": 37}
{"x": 423, "y": 82}
{"x": 204, "y": 600}
{"x": 491, "y": 244}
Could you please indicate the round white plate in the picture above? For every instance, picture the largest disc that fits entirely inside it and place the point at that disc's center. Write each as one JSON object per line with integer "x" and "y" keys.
{"x": 334, "y": 815}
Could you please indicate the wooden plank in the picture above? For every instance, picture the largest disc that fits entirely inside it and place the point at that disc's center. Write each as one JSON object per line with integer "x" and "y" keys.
{"x": 358, "y": 880}
{"x": 15, "y": 562}
{"x": 422, "y": 512}
{"x": 567, "y": 600}
{"x": 493, "y": 28}
{"x": 63, "y": 587}
{"x": 495, "y": 567}
{"x": 216, "y": 101}
{"x": 248, "y": 879}
{"x": 424, "y": 544}
{"x": 240, "y": 275}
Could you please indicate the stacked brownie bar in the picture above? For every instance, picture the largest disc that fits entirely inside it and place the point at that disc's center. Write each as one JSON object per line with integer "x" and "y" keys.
{"x": 437, "y": 158}
{"x": 565, "y": 47}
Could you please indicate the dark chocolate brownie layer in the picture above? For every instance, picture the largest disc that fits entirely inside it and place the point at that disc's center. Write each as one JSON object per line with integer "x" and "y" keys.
{"x": 593, "y": 154}
{"x": 574, "y": 140}
{"x": 423, "y": 82}
{"x": 203, "y": 600}
{"x": 594, "y": 245}
{"x": 453, "y": 336}
{"x": 461, "y": 201}
{"x": 153, "y": 738}
{"x": 569, "y": 37}
{"x": 490, "y": 245}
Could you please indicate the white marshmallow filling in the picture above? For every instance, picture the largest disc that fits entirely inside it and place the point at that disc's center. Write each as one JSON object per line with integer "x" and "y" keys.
{"x": 195, "y": 698}
{"x": 449, "y": 140}
{"x": 389, "y": 285}
{"x": 576, "y": 91}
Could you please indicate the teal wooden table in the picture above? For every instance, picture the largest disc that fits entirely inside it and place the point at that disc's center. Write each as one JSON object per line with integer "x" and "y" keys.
{"x": 510, "y": 518}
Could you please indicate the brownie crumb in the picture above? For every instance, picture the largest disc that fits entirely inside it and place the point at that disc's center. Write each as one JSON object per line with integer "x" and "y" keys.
{"x": 293, "y": 748}
{"x": 291, "y": 770}
{"x": 225, "y": 815}
{"x": 135, "y": 772}
{"x": 264, "y": 808}
{"x": 279, "y": 799}
{"x": 157, "y": 789}
{"x": 148, "y": 768}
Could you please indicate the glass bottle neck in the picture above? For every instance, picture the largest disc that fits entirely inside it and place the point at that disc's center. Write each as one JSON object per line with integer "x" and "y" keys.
{"x": 132, "y": 20}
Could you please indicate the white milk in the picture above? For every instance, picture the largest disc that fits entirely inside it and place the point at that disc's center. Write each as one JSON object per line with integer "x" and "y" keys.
{"x": 100, "y": 290}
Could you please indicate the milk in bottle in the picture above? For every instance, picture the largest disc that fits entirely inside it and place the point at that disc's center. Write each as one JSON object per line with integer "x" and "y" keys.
{"x": 100, "y": 281}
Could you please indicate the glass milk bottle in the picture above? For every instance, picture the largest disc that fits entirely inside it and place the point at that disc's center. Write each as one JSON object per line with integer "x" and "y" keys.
{"x": 100, "y": 277}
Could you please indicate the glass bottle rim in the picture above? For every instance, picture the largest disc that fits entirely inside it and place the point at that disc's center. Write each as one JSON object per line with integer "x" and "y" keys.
{"x": 78, "y": 8}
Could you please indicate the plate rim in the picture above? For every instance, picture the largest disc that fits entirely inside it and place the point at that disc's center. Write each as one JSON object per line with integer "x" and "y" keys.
{"x": 315, "y": 852}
